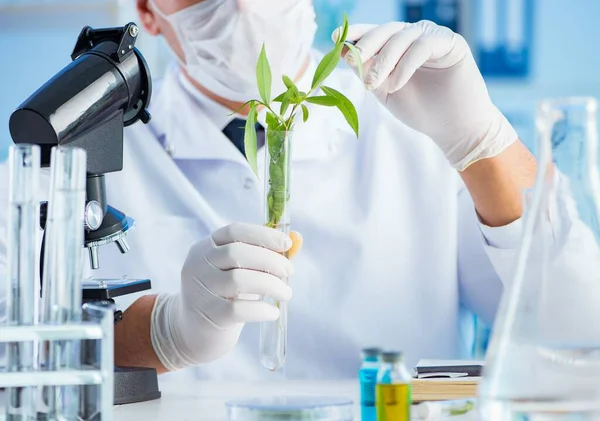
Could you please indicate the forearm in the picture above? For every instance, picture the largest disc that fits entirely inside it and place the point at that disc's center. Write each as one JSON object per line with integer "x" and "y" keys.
{"x": 133, "y": 346}
{"x": 496, "y": 184}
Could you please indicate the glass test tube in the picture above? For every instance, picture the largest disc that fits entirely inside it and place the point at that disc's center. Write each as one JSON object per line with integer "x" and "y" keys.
{"x": 62, "y": 276}
{"x": 24, "y": 162}
{"x": 273, "y": 335}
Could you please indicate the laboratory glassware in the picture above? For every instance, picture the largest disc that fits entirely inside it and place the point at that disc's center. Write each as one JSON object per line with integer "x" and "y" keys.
{"x": 367, "y": 375}
{"x": 63, "y": 271}
{"x": 98, "y": 327}
{"x": 393, "y": 396}
{"x": 291, "y": 408}
{"x": 544, "y": 357}
{"x": 97, "y": 399}
{"x": 273, "y": 335}
{"x": 24, "y": 169}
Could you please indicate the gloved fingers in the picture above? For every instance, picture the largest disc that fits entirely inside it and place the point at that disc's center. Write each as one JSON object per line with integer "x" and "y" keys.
{"x": 253, "y": 311}
{"x": 371, "y": 43}
{"x": 231, "y": 283}
{"x": 447, "y": 47}
{"x": 354, "y": 31}
{"x": 252, "y": 234}
{"x": 247, "y": 256}
{"x": 390, "y": 55}
{"x": 415, "y": 57}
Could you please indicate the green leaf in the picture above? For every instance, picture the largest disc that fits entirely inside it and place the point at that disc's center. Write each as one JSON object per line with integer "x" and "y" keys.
{"x": 263, "y": 76}
{"x": 250, "y": 138}
{"x": 345, "y": 106}
{"x": 280, "y": 97}
{"x": 354, "y": 51}
{"x": 291, "y": 96}
{"x": 327, "y": 101}
{"x": 272, "y": 120}
{"x": 285, "y": 104}
{"x": 344, "y": 33}
{"x": 304, "y": 113}
{"x": 327, "y": 65}
{"x": 287, "y": 82}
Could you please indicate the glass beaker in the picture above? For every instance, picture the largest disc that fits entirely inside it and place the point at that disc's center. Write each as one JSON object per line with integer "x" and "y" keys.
{"x": 544, "y": 357}
{"x": 273, "y": 335}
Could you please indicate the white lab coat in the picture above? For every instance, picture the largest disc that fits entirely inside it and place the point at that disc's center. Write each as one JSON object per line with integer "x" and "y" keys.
{"x": 392, "y": 242}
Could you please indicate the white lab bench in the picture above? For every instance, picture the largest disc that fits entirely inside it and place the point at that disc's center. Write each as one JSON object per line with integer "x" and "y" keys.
{"x": 186, "y": 399}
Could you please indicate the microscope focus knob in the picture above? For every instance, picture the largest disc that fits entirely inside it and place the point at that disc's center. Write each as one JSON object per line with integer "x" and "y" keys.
{"x": 93, "y": 216}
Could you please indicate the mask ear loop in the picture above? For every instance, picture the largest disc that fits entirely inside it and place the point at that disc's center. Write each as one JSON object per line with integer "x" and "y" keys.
{"x": 169, "y": 143}
{"x": 157, "y": 10}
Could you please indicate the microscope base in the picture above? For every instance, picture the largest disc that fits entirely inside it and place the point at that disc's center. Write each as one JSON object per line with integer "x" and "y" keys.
{"x": 135, "y": 385}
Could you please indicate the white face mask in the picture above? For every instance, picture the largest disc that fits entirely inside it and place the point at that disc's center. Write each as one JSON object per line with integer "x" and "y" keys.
{"x": 222, "y": 39}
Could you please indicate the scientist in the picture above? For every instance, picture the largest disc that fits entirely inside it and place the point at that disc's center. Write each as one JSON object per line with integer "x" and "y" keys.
{"x": 419, "y": 215}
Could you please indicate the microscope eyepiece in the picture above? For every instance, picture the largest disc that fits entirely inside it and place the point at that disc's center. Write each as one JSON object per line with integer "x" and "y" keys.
{"x": 87, "y": 104}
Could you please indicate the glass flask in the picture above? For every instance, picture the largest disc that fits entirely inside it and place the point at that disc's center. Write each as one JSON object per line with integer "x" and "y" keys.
{"x": 544, "y": 357}
{"x": 393, "y": 392}
{"x": 273, "y": 335}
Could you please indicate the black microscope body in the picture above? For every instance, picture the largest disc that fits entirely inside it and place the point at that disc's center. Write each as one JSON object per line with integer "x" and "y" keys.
{"x": 105, "y": 88}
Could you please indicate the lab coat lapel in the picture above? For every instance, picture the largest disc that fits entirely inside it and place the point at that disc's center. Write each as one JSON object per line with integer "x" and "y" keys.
{"x": 184, "y": 127}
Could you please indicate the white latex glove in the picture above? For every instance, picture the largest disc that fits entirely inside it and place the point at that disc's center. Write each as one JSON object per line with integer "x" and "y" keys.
{"x": 204, "y": 321}
{"x": 426, "y": 76}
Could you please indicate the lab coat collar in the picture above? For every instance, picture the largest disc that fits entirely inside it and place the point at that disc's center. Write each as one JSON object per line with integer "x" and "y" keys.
{"x": 190, "y": 124}
{"x": 184, "y": 126}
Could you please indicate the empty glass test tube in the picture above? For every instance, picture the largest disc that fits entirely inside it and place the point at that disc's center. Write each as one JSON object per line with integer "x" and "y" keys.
{"x": 24, "y": 168}
{"x": 62, "y": 275}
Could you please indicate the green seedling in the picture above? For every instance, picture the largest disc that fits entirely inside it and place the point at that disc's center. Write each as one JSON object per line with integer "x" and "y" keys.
{"x": 280, "y": 122}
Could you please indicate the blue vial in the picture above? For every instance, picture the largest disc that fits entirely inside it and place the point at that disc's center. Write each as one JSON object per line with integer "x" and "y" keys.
{"x": 368, "y": 380}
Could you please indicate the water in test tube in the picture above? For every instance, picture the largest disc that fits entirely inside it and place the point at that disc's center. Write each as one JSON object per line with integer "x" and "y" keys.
{"x": 62, "y": 274}
{"x": 24, "y": 163}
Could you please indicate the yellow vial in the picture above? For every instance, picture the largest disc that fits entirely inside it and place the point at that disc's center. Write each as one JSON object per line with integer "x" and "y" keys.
{"x": 393, "y": 402}
{"x": 393, "y": 391}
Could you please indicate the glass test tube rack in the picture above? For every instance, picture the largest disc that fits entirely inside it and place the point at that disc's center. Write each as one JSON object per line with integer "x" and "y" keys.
{"x": 99, "y": 373}
{"x": 60, "y": 365}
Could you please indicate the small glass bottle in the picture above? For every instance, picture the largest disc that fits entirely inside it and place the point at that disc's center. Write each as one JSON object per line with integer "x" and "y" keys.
{"x": 394, "y": 389}
{"x": 367, "y": 376}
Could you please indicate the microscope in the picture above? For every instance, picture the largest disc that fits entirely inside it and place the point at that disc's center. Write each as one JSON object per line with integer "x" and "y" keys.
{"x": 105, "y": 88}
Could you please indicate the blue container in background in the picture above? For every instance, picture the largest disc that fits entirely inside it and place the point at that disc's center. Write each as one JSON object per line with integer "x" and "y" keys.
{"x": 498, "y": 31}
{"x": 504, "y": 37}
{"x": 443, "y": 12}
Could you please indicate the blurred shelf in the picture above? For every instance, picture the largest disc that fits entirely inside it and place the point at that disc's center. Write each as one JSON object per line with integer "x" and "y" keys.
{"x": 61, "y": 6}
